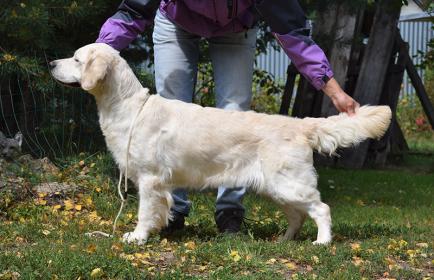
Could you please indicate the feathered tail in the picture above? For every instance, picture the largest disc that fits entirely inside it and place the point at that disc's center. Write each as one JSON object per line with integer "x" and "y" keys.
{"x": 330, "y": 133}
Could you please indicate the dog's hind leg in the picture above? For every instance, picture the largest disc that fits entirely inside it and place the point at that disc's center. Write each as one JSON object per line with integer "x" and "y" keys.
{"x": 317, "y": 210}
{"x": 297, "y": 189}
{"x": 295, "y": 220}
{"x": 153, "y": 210}
{"x": 320, "y": 213}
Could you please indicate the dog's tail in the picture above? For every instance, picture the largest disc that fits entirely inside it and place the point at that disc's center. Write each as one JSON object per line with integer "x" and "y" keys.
{"x": 328, "y": 134}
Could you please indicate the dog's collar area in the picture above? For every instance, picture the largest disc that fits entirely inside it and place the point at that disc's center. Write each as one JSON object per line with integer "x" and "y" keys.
{"x": 145, "y": 97}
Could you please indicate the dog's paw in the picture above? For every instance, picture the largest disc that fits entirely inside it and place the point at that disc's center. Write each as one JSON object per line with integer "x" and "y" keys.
{"x": 135, "y": 237}
{"x": 321, "y": 242}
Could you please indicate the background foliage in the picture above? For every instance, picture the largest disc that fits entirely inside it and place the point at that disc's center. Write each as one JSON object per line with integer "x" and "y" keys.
{"x": 57, "y": 121}
{"x": 34, "y": 32}
{"x": 411, "y": 116}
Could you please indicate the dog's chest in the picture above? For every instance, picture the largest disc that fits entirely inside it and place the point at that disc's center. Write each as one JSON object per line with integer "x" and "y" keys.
{"x": 117, "y": 143}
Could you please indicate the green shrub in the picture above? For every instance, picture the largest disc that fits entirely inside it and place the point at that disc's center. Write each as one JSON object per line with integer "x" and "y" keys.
{"x": 415, "y": 126}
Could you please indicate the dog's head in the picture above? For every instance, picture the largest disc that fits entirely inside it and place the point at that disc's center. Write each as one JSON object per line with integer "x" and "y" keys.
{"x": 87, "y": 68}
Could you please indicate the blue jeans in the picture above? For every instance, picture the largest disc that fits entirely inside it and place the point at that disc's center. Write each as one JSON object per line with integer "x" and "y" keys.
{"x": 176, "y": 61}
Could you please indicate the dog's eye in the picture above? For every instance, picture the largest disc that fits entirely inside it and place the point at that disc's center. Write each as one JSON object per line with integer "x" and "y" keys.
{"x": 76, "y": 60}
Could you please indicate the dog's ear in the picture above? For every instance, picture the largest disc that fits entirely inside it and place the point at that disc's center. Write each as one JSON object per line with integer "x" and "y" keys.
{"x": 95, "y": 69}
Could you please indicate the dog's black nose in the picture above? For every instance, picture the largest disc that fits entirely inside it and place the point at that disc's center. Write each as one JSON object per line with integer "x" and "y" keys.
{"x": 52, "y": 64}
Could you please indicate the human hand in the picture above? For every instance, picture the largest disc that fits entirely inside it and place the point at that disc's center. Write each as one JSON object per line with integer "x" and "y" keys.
{"x": 345, "y": 103}
{"x": 342, "y": 101}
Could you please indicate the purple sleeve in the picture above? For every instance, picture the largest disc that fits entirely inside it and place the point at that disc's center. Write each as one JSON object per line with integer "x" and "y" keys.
{"x": 308, "y": 57}
{"x": 119, "y": 32}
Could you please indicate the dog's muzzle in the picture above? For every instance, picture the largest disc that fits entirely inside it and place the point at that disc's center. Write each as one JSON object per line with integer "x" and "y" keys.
{"x": 52, "y": 65}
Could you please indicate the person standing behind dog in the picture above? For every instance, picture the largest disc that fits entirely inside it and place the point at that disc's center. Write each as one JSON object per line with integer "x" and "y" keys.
{"x": 230, "y": 28}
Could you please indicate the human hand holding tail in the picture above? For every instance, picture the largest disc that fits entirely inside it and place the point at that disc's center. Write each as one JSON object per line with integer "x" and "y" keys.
{"x": 342, "y": 101}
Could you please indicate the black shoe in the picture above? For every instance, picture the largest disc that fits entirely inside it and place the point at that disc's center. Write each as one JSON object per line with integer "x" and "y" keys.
{"x": 229, "y": 220}
{"x": 175, "y": 224}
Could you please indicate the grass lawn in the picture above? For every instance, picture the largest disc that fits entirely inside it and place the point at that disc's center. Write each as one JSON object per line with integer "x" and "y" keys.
{"x": 382, "y": 225}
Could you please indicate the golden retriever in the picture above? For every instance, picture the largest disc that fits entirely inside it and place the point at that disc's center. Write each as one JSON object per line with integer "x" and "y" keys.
{"x": 179, "y": 144}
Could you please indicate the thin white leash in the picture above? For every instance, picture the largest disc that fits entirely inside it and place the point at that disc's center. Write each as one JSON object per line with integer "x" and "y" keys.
{"x": 121, "y": 196}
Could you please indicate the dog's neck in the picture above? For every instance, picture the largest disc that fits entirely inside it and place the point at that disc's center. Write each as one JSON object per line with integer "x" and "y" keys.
{"x": 116, "y": 100}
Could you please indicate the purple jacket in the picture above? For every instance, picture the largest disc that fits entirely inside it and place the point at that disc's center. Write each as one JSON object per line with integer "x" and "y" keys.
{"x": 209, "y": 18}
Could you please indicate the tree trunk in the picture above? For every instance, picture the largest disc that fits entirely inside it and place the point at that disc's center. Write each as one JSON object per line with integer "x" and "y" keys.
{"x": 345, "y": 28}
{"x": 420, "y": 91}
{"x": 308, "y": 100}
{"x": 373, "y": 71}
{"x": 379, "y": 150}
{"x": 291, "y": 75}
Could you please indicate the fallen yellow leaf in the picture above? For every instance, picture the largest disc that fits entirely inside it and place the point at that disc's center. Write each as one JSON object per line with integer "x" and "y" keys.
{"x": 96, "y": 273}
{"x": 127, "y": 256}
{"x": 291, "y": 266}
{"x": 235, "y": 256}
{"x": 402, "y": 243}
{"x": 355, "y": 247}
{"x": 190, "y": 245}
{"x": 357, "y": 261}
{"x": 360, "y": 202}
{"x": 142, "y": 255}
{"x": 88, "y": 201}
{"x": 91, "y": 248}
{"x": 93, "y": 216}
{"x": 116, "y": 247}
{"x": 69, "y": 204}
{"x": 19, "y": 239}
{"x": 422, "y": 245}
{"x": 411, "y": 253}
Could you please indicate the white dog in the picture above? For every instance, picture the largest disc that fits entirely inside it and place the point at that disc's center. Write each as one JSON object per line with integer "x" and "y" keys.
{"x": 180, "y": 144}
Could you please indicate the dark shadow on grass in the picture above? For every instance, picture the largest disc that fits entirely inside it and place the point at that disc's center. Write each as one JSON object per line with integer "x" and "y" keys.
{"x": 270, "y": 232}
{"x": 366, "y": 231}
{"x": 202, "y": 232}
{"x": 205, "y": 232}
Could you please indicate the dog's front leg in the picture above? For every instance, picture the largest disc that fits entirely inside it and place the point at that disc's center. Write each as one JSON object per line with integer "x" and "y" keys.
{"x": 152, "y": 210}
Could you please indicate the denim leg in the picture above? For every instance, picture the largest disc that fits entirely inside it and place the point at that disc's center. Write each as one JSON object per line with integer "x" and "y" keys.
{"x": 176, "y": 55}
{"x": 233, "y": 57}
{"x": 181, "y": 204}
